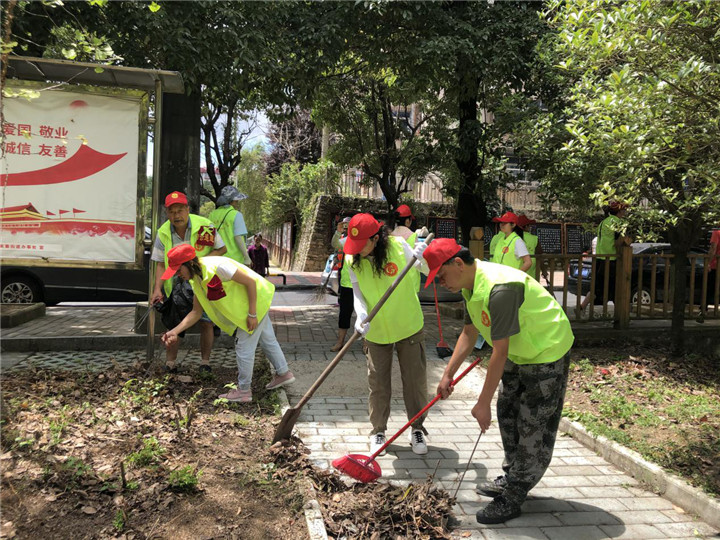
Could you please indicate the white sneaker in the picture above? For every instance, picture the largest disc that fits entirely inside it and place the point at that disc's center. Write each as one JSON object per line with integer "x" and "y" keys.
{"x": 376, "y": 441}
{"x": 417, "y": 441}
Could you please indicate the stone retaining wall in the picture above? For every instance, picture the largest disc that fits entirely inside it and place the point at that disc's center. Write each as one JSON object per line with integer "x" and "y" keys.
{"x": 314, "y": 247}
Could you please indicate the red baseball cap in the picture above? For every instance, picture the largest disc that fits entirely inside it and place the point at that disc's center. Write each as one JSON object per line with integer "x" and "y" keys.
{"x": 440, "y": 251}
{"x": 177, "y": 256}
{"x": 507, "y": 217}
{"x": 176, "y": 197}
{"x": 523, "y": 221}
{"x": 360, "y": 229}
{"x": 404, "y": 211}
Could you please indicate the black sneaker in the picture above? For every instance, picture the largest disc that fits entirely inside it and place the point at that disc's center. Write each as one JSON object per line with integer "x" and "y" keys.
{"x": 499, "y": 510}
{"x": 205, "y": 368}
{"x": 493, "y": 488}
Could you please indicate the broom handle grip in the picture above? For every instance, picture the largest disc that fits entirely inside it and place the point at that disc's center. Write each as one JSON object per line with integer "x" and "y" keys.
{"x": 423, "y": 411}
{"x": 356, "y": 334}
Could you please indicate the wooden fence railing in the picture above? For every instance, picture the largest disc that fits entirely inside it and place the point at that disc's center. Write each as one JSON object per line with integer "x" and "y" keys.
{"x": 643, "y": 285}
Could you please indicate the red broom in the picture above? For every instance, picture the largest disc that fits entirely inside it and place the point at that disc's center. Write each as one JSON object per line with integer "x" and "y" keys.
{"x": 365, "y": 469}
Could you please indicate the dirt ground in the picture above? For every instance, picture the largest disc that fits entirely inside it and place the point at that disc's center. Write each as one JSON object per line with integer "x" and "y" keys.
{"x": 65, "y": 437}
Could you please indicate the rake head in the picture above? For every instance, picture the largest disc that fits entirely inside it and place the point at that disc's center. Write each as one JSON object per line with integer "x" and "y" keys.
{"x": 359, "y": 467}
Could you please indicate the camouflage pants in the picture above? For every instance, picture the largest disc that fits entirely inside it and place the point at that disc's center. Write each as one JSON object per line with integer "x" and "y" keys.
{"x": 529, "y": 408}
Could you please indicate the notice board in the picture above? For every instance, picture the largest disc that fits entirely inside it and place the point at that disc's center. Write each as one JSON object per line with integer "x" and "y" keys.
{"x": 443, "y": 227}
{"x": 578, "y": 239}
{"x": 550, "y": 237}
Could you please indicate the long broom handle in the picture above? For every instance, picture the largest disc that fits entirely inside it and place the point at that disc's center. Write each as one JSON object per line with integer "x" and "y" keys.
{"x": 356, "y": 334}
{"x": 418, "y": 415}
{"x": 437, "y": 311}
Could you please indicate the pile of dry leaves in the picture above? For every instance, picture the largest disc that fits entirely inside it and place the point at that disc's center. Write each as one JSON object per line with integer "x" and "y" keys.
{"x": 375, "y": 510}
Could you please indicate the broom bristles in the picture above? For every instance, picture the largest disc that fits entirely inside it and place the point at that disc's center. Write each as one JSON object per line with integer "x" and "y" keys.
{"x": 358, "y": 467}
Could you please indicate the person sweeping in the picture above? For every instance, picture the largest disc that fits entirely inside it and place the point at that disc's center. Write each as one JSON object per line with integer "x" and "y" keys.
{"x": 238, "y": 301}
{"x": 373, "y": 259}
{"x": 531, "y": 339}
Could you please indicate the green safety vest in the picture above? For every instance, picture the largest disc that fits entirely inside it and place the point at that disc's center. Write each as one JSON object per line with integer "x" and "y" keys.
{"x": 545, "y": 334}
{"x": 505, "y": 251}
{"x": 224, "y": 220}
{"x": 202, "y": 238}
{"x": 401, "y": 315}
{"x": 493, "y": 244}
{"x": 226, "y": 302}
{"x": 415, "y": 275}
{"x": 606, "y": 236}
{"x": 344, "y": 275}
{"x": 531, "y": 241}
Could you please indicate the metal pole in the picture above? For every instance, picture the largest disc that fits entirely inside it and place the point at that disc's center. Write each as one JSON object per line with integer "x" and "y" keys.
{"x": 157, "y": 134}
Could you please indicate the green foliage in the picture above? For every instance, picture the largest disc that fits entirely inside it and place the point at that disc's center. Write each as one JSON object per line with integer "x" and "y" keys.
{"x": 184, "y": 479}
{"x": 148, "y": 455}
{"x": 252, "y": 182}
{"x": 144, "y": 392}
{"x": 119, "y": 520}
{"x": 291, "y": 194}
{"x": 76, "y": 467}
{"x": 640, "y": 110}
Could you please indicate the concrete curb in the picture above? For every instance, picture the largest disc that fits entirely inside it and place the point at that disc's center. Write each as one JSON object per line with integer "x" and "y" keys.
{"x": 13, "y": 315}
{"x": 672, "y": 487}
{"x": 313, "y": 513}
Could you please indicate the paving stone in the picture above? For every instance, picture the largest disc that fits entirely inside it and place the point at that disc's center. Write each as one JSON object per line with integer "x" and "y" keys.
{"x": 587, "y": 518}
{"x": 615, "y": 492}
{"x": 632, "y": 517}
{"x": 690, "y": 528}
{"x": 546, "y": 505}
{"x": 588, "y": 532}
{"x": 647, "y": 503}
{"x": 565, "y": 481}
{"x": 639, "y": 532}
{"x": 590, "y": 504}
{"x": 516, "y": 533}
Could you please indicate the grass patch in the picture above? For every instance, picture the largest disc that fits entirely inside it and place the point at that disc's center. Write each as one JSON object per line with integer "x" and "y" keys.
{"x": 667, "y": 411}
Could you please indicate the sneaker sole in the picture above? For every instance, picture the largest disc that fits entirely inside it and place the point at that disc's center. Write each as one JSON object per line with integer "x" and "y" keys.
{"x": 289, "y": 381}
{"x": 239, "y": 400}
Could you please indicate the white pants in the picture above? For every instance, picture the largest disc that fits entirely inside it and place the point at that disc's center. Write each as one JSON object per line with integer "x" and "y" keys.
{"x": 245, "y": 345}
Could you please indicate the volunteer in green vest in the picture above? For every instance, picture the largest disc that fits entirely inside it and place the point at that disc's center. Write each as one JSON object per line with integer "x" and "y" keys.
{"x": 238, "y": 301}
{"x": 510, "y": 249}
{"x": 609, "y": 238}
{"x": 532, "y": 244}
{"x": 230, "y": 224}
{"x": 345, "y": 292}
{"x": 374, "y": 259}
{"x": 531, "y": 340}
{"x": 182, "y": 227}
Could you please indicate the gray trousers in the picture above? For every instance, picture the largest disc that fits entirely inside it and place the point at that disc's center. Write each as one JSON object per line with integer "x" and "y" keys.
{"x": 413, "y": 372}
{"x": 529, "y": 408}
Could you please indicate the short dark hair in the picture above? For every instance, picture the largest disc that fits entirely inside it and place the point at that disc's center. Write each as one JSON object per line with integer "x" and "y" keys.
{"x": 464, "y": 255}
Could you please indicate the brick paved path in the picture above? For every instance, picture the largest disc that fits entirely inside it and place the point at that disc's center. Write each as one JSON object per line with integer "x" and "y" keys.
{"x": 581, "y": 497}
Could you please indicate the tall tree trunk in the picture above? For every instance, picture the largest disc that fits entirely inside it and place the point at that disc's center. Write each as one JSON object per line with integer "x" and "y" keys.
{"x": 681, "y": 238}
{"x": 471, "y": 209}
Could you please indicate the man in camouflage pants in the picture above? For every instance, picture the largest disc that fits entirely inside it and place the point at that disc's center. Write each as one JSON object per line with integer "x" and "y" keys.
{"x": 531, "y": 339}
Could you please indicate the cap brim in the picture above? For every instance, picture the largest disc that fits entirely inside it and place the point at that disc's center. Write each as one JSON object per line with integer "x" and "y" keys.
{"x": 353, "y": 246}
{"x": 169, "y": 272}
{"x": 431, "y": 276}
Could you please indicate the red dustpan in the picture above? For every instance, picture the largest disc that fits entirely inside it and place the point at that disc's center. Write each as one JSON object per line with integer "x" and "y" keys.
{"x": 365, "y": 469}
